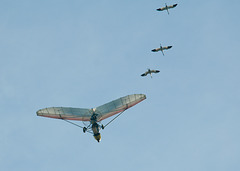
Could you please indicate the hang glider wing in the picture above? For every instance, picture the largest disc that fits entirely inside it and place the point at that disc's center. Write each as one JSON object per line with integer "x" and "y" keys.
{"x": 119, "y": 105}
{"x": 67, "y": 113}
{"x": 103, "y": 112}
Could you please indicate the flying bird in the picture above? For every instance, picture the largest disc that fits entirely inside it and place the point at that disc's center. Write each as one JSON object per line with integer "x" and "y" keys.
{"x": 161, "y": 49}
{"x": 167, "y": 7}
{"x": 150, "y": 72}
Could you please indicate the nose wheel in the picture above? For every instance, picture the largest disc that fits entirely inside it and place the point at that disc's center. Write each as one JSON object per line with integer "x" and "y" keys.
{"x": 102, "y": 127}
{"x": 84, "y": 129}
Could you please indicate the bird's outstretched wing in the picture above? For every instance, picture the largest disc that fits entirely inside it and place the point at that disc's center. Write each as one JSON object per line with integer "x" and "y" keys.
{"x": 155, "y": 71}
{"x": 166, "y": 47}
{"x": 172, "y": 6}
{"x": 162, "y": 48}
{"x": 144, "y": 74}
{"x": 156, "y": 50}
{"x": 161, "y": 9}
{"x": 168, "y": 7}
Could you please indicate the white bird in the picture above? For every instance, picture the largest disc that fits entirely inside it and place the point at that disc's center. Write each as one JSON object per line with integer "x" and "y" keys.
{"x": 150, "y": 72}
{"x": 167, "y": 7}
{"x": 161, "y": 49}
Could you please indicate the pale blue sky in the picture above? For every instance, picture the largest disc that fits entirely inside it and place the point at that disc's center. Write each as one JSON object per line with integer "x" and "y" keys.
{"x": 87, "y": 53}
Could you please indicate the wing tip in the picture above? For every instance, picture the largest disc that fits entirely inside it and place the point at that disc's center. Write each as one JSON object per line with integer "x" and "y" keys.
{"x": 38, "y": 113}
{"x": 144, "y": 96}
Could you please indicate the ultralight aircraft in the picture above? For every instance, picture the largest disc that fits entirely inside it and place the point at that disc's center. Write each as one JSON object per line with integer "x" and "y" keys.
{"x": 93, "y": 116}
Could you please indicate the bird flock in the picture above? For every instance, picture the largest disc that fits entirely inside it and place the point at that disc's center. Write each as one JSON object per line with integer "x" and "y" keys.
{"x": 161, "y": 48}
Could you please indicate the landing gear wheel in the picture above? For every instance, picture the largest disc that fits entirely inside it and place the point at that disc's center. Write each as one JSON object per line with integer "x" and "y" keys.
{"x": 102, "y": 127}
{"x": 84, "y": 129}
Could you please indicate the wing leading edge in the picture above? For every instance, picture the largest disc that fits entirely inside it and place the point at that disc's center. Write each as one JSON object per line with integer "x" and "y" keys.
{"x": 119, "y": 105}
{"x": 67, "y": 113}
{"x": 103, "y": 111}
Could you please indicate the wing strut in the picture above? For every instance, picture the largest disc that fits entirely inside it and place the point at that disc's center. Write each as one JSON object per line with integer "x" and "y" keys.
{"x": 115, "y": 118}
{"x": 76, "y": 125}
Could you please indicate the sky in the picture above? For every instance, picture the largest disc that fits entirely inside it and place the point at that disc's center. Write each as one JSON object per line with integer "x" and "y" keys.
{"x": 86, "y": 53}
